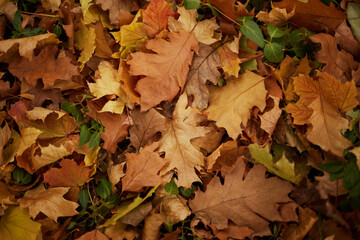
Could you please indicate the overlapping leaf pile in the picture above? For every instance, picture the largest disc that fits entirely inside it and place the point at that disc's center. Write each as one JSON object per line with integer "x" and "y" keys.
{"x": 191, "y": 119}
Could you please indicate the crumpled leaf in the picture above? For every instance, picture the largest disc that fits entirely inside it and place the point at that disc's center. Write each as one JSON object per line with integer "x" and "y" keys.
{"x": 231, "y": 105}
{"x": 118, "y": 10}
{"x": 120, "y": 231}
{"x": 346, "y": 39}
{"x": 84, "y": 40}
{"x": 45, "y": 66}
{"x": 248, "y": 200}
{"x": 203, "y": 30}
{"x": 16, "y": 224}
{"x": 5, "y": 135}
{"x": 352, "y": 15}
{"x": 270, "y": 118}
{"x": 48, "y": 201}
{"x": 230, "y": 61}
{"x": 203, "y": 68}
{"x": 142, "y": 169}
{"x": 175, "y": 142}
{"x": 277, "y": 16}
{"x": 93, "y": 235}
{"x": 69, "y": 175}
{"x": 162, "y": 84}
{"x": 231, "y": 8}
{"x": 156, "y": 16}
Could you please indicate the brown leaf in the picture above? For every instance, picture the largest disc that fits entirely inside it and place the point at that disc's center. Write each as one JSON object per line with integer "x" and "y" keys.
{"x": 93, "y": 235}
{"x": 45, "y": 66}
{"x": 277, "y": 16}
{"x": 48, "y": 201}
{"x": 313, "y": 15}
{"x": 142, "y": 169}
{"x": 235, "y": 232}
{"x": 69, "y": 175}
{"x": 270, "y": 118}
{"x": 119, "y": 231}
{"x": 152, "y": 226}
{"x": 145, "y": 126}
{"x": 163, "y": 84}
{"x": 118, "y": 10}
{"x": 246, "y": 199}
{"x": 346, "y": 40}
{"x": 203, "y": 68}
{"x": 230, "y": 9}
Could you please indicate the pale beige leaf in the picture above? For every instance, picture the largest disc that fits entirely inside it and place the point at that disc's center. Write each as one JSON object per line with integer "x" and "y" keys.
{"x": 93, "y": 235}
{"x": 174, "y": 209}
{"x": 152, "y": 226}
{"x": 269, "y": 119}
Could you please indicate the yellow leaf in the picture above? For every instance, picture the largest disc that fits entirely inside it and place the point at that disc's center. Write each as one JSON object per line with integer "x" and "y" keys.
{"x": 84, "y": 40}
{"x": 176, "y": 143}
{"x": 231, "y": 105}
{"x": 48, "y": 201}
{"x": 116, "y": 106}
{"x": 16, "y": 224}
{"x": 327, "y": 125}
{"x": 51, "y": 5}
{"x": 89, "y": 11}
{"x": 299, "y": 112}
{"x": 230, "y": 61}
{"x": 269, "y": 119}
{"x": 203, "y": 30}
{"x": 277, "y": 16}
{"x": 306, "y": 88}
{"x": 28, "y": 138}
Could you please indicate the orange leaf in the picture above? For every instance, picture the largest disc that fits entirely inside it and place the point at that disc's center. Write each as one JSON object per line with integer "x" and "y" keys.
{"x": 306, "y": 88}
{"x": 69, "y": 175}
{"x": 93, "y": 235}
{"x": 299, "y": 112}
{"x": 163, "y": 83}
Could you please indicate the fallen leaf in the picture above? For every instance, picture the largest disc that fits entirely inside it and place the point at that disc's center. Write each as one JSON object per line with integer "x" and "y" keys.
{"x": 115, "y": 173}
{"x": 235, "y": 232}
{"x": 346, "y": 40}
{"x": 120, "y": 231}
{"x": 69, "y": 175}
{"x": 270, "y": 118}
{"x": 16, "y": 223}
{"x": 247, "y": 200}
{"x": 93, "y": 235}
{"x": 231, "y": 105}
{"x": 156, "y": 16}
{"x": 48, "y": 201}
{"x": 174, "y": 209}
{"x": 5, "y": 135}
{"x": 230, "y": 61}
{"x": 84, "y": 40}
{"x": 299, "y": 112}
{"x": 117, "y": 9}
{"x": 142, "y": 169}
{"x": 6, "y": 197}
{"x": 171, "y": 76}
{"x": 203, "y": 30}
{"x": 203, "y": 68}
{"x": 51, "y": 5}
{"x": 152, "y": 226}
{"x": 230, "y": 9}
{"x": 137, "y": 215}
{"x": 277, "y": 16}
{"x": 51, "y": 69}
{"x": 175, "y": 142}
{"x": 313, "y": 15}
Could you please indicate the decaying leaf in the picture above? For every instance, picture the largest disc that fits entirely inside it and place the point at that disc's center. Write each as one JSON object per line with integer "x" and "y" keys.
{"x": 93, "y": 235}
{"x": 277, "y": 16}
{"x": 156, "y": 16}
{"x": 84, "y": 40}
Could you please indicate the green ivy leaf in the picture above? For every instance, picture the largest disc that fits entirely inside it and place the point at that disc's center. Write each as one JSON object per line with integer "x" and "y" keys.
{"x": 21, "y": 176}
{"x": 188, "y": 191}
{"x": 72, "y": 110}
{"x": 299, "y": 49}
{"x": 294, "y": 36}
{"x": 333, "y": 167}
{"x": 274, "y": 52}
{"x": 103, "y": 190}
{"x": 245, "y": 18}
{"x": 94, "y": 140}
{"x": 351, "y": 175}
{"x": 17, "y": 21}
{"x": 171, "y": 188}
{"x": 83, "y": 198}
{"x": 85, "y": 135}
{"x": 252, "y": 31}
{"x": 192, "y": 4}
{"x": 274, "y": 32}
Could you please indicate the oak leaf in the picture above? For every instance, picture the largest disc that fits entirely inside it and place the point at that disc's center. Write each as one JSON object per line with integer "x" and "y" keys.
{"x": 156, "y": 16}
{"x": 16, "y": 224}
{"x": 203, "y": 30}
{"x": 84, "y": 40}
{"x": 248, "y": 200}
{"x": 48, "y": 201}
{"x": 203, "y": 68}
{"x": 176, "y": 143}
{"x": 142, "y": 169}
{"x": 277, "y": 16}
{"x": 313, "y": 15}
{"x": 69, "y": 175}
{"x": 145, "y": 126}
{"x": 174, "y": 57}
{"x": 231, "y": 105}
{"x": 45, "y": 66}
{"x": 93, "y": 235}
{"x": 340, "y": 64}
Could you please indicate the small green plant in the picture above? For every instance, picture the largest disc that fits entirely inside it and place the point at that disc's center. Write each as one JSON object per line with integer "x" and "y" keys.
{"x": 20, "y": 32}
{"x": 21, "y": 176}
{"x": 172, "y": 189}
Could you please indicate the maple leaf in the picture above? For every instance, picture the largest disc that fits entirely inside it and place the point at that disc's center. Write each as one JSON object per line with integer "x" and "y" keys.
{"x": 176, "y": 142}
{"x": 313, "y": 14}
{"x": 277, "y": 16}
{"x": 128, "y": 82}
{"x": 299, "y": 112}
{"x": 248, "y": 200}
{"x": 230, "y": 9}
{"x": 230, "y": 61}
{"x": 156, "y": 16}
{"x": 117, "y": 9}
{"x": 174, "y": 57}
{"x": 26, "y": 46}
{"x": 93, "y": 235}
{"x": 142, "y": 169}
{"x": 203, "y": 30}
{"x": 48, "y": 201}
{"x": 84, "y": 40}
{"x": 146, "y": 125}
{"x": 5, "y": 135}
{"x": 16, "y": 224}
{"x": 231, "y": 105}
{"x": 69, "y": 175}
{"x": 340, "y": 64}
{"x": 204, "y": 67}
{"x": 270, "y": 118}
{"x": 45, "y": 66}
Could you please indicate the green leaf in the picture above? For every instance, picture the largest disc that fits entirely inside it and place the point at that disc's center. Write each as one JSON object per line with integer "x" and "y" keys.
{"x": 72, "y": 110}
{"x": 17, "y": 21}
{"x": 351, "y": 175}
{"x": 103, "y": 190}
{"x": 353, "y": 16}
{"x": 192, "y": 4}
{"x": 83, "y": 198}
{"x": 71, "y": 225}
{"x": 252, "y": 31}
{"x": 245, "y": 18}
{"x": 333, "y": 167}
{"x": 294, "y": 36}
{"x": 355, "y": 191}
{"x": 94, "y": 140}
{"x": 274, "y": 52}
{"x": 188, "y": 191}
{"x": 274, "y": 32}
{"x": 21, "y": 176}
{"x": 171, "y": 188}
{"x": 85, "y": 135}
{"x": 299, "y": 49}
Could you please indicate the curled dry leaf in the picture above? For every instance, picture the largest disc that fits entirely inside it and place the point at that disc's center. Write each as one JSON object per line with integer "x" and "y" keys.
{"x": 277, "y": 16}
